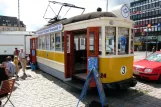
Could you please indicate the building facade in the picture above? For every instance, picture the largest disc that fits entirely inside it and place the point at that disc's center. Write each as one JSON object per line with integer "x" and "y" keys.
{"x": 144, "y": 13}
{"x": 11, "y": 24}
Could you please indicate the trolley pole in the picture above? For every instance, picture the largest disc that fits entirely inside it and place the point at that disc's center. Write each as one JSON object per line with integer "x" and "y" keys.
{"x": 19, "y": 15}
{"x": 148, "y": 27}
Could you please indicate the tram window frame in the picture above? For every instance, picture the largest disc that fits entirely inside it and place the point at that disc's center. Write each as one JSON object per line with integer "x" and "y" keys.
{"x": 62, "y": 41}
{"x": 58, "y": 48}
{"x": 125, "y": 48}
{"x": 52, "y": 42}
{"x": 100, "y": 41}
{"x": 110, "y": 34}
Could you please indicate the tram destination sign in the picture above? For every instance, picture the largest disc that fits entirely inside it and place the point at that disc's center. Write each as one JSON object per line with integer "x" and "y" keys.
{"x": 56, "y": 28}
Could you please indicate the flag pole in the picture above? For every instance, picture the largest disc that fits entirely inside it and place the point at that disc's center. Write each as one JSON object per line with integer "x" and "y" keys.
{"x": 107, "y": 6}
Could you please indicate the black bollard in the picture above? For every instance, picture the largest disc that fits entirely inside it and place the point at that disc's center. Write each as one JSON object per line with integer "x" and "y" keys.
{"x": 96, "y": 104}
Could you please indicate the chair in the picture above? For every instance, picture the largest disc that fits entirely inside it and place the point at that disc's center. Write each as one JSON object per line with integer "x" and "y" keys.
{"x": 6, "y": 89}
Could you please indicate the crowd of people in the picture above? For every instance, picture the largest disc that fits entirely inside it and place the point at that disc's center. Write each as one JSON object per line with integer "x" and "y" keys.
{"x": 10, "y": 67}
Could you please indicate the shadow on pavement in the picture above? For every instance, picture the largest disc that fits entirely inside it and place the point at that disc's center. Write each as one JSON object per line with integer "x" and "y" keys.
{"x": 148, "y": 82}
{"x": 115, "y": 98}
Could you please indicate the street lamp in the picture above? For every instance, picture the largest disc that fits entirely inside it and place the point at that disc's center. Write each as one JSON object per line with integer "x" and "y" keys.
{"x": 147, "y": 30}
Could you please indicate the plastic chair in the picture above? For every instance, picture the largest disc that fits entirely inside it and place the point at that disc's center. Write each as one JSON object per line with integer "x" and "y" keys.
{"x": 6, "y": 89}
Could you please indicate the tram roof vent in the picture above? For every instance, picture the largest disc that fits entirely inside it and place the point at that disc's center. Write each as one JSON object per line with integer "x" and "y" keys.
{"x": 99, "y": 9}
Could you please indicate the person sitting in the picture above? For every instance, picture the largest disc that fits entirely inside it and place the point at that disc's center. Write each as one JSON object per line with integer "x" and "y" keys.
{"x": 10, "y": 67}
{"x": 3, "y": 76}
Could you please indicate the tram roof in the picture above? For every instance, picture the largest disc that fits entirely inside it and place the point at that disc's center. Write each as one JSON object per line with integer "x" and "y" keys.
{"x": 83, "y": 17}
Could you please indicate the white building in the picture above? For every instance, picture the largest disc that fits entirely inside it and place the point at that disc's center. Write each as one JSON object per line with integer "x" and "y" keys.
{"x": 9, "y": 40}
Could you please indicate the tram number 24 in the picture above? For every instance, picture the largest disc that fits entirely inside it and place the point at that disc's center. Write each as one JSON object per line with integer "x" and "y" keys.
{"x": 103, "y": 75}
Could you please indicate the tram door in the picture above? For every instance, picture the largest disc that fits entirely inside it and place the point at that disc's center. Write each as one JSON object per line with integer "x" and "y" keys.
{"x": 68, "y": 53}
{"x": 33, "y": 50}
{"x": 92, "y": 46}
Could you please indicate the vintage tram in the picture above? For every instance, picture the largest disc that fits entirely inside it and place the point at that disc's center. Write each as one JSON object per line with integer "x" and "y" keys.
{"x": 64, "y": 46}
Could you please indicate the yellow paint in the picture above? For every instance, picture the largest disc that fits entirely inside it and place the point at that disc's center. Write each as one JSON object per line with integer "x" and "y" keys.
{"x": 54, "y": 56}
{"x": 112, "y": 68}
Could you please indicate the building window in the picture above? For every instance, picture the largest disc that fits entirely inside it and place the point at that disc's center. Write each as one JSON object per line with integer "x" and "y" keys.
{"x": 110, "y": 40}
{"x": 156, "y": 20}
{"x": 153, "y": 21}
{"x": 57, "y": 42}
{"x": 52, "y": 46}
{"x": 123, "y": 41}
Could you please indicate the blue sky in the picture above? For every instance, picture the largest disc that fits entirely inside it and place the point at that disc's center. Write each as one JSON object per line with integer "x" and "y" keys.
{"x": 32, "y": 11}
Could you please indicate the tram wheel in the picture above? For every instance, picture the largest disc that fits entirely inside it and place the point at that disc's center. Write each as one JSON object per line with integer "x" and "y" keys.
{"x": 159, "y": 79}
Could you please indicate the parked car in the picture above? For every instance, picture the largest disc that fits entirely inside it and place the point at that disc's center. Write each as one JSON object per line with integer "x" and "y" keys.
{"x": 149, "y": 68}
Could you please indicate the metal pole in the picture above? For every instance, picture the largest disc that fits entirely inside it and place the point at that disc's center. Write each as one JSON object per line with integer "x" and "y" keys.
{"x": 146, "y": 41}
{"x": 107, "y": 6}
{"x": 18, "y": 15}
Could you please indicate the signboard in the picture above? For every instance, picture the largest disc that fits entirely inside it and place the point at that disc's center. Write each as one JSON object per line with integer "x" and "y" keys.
{"x": 92, "y": 66}
{"x": 52, "y": 29}
{"x": 33, "y": 52}
{"x": 125, "y": 11}
{"x": 92, "y": 63}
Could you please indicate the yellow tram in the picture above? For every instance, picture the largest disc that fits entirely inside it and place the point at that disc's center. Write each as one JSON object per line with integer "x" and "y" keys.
{"x": 63, "y": 47}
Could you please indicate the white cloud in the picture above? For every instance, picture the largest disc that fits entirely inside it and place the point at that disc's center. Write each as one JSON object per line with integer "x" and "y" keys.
{"x": 32, "y": 11}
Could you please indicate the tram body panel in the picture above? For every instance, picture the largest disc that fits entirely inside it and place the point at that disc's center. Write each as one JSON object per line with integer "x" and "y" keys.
{"x": 110, "y": 69}
{"x": 53, "y": 56}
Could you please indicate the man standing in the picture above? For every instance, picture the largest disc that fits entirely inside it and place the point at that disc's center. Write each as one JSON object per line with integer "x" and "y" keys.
{"x": 22, "y": 58}
{"x": 16, "y": 52}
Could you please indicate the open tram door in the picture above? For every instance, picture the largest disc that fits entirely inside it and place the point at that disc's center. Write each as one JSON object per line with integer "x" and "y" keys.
{"x": 92, "y": 47}
{"x": 68, "y": 53}
{"x": 33, "y": 50}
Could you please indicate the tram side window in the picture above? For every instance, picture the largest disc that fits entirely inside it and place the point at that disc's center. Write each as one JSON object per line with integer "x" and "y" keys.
{"x": 43, "y": 42}
{"x": 37, "y": 45}
{"x": 48, "y": 42}
{"x": 123, "y": 41}
{"x": 52, "y": 46}
{"x": 110, "y": 40}
{"x": 57, "y": 42}
{"x": 40, "y": 42}
{"x": 132, "y": 41}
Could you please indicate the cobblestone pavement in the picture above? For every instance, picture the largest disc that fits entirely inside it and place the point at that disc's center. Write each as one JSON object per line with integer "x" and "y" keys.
{"x": 42, "y": 90}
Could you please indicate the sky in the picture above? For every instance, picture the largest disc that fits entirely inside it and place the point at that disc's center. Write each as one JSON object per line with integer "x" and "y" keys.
{"x": 32, "y": 11}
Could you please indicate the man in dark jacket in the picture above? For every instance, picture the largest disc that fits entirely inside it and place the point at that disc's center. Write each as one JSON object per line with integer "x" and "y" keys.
{"x": 3, "y": 76}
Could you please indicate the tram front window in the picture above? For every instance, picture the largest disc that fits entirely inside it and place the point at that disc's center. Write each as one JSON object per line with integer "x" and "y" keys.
{"x": 123, "y": 41}
{"x": 110, "y": 40}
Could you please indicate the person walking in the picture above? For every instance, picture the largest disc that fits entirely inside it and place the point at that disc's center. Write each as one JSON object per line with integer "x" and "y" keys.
{"x": 153, "y": 49}
{"x": 16, "y": 65}
{"x": 22, "y": 58}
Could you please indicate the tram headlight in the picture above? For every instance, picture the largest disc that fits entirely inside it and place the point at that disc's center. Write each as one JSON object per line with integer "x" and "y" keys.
{"x": 148, "y": 70}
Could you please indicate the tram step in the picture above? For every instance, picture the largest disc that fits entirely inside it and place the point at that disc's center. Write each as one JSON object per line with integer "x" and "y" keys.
{"x": 81, "y": 76}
